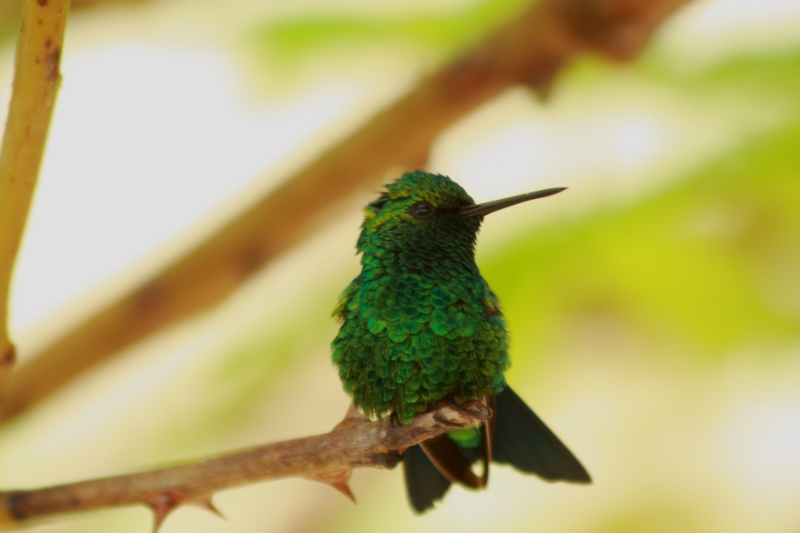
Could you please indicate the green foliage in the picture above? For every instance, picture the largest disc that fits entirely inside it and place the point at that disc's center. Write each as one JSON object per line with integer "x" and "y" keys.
{"x": 290, "y": 41}
{"x": 766, "y": 70}
{"x": 703, "y": 262}
{"x": 707, "y": 260}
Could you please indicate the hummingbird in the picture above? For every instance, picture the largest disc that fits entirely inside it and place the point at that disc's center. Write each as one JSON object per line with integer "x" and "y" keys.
{"x": 420, "y": 325}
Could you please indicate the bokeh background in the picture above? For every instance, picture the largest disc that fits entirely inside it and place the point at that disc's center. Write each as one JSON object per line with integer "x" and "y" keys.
{"x": 654, "y": 307}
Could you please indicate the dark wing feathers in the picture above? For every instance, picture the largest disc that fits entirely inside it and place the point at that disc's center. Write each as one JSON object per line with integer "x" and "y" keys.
{"x": 521, "y": 439}
{"x": 425, "y": 484}
{"x": 524, "y": 441}
{"x": 448, "y": 458}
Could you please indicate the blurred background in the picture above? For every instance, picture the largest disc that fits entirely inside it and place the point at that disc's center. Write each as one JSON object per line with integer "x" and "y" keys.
{"x": 654, "y": 307}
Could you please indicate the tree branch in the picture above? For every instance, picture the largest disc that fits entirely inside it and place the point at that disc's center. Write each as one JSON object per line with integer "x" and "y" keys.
{"x": 36, "y": 80}
{"x": 531, "y": 50}
{"x": 328, "y": 458}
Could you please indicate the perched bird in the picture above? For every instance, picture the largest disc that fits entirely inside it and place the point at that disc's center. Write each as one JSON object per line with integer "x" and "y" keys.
{"x": 420, "y": 325}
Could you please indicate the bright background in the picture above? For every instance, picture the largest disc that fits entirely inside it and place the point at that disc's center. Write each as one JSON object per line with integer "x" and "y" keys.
{"x": 654, "y": 307}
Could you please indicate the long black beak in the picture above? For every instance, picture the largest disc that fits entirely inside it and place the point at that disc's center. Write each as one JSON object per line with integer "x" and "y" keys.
{"x": 480, "y": 210}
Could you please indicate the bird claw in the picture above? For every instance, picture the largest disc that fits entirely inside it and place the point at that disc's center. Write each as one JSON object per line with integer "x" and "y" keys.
{"x": 444, "y": 421}
{"x": 473, "y": 408}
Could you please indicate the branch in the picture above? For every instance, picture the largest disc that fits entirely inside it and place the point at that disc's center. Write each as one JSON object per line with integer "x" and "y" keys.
{"x": 328, "y": 458}
{"x": 531, "y": 50}
{"x": 36, "y": 80}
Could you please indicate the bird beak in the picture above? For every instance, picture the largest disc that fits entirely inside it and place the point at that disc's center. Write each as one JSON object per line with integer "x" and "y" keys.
{"x": 480, "y": 210}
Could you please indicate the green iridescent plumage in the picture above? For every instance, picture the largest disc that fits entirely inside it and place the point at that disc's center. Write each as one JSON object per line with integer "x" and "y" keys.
{"x": 419, "y": 323}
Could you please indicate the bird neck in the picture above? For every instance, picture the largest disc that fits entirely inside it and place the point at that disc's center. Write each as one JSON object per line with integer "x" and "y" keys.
{"x": 440, "y": 257}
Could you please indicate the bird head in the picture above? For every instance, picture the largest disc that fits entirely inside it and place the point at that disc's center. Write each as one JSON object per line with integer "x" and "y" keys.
{"x": 423, "y": 212}
{"x": 419, "y": 211}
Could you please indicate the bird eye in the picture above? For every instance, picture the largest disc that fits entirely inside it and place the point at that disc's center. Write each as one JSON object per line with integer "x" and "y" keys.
{"x": 421, "y": 209}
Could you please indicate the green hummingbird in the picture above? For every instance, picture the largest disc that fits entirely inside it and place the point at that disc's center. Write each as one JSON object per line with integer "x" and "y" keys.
{"x": 420, "y": 325}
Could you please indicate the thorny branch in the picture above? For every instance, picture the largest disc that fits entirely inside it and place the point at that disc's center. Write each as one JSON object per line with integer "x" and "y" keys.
{"x": 36, "y": 79}
{"x": 328, "y": 458}
{"x": 530, "y": 50}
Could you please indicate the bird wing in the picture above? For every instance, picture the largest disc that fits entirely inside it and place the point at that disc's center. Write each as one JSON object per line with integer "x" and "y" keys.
{"x": 446, "y": 456}
{"x": 516, "y": 436}
{"x": 433, "y": 465}
{"x": 525, "y": 442}
{"x": 424, "y": 483}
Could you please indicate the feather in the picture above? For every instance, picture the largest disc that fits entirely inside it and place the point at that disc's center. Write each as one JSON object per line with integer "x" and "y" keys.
{"x": 446, "y": 455}
{"x": 520, "y": 439}
{"x": 424, "y": 483}
{"x": 525, "y": 442}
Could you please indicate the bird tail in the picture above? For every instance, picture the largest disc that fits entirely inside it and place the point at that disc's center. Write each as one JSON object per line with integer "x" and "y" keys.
{"x": 521, "y": 439}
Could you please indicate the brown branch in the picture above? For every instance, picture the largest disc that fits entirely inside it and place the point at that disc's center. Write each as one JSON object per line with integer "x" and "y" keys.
{"x": 530, "y": 50}
{"x": 328, "y": 458}
{"x": 36, "y": 80}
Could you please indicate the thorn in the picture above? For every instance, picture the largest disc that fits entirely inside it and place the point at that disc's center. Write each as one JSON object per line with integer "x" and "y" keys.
{"x": 160, "y": 513}
{"x": 351, "y": 418}
{"x": 162, "y": 503}
{"x": 542, "y": 80}
{"x": 344, "y": 489}
{"x": 338, "y": 480}
{"x": 207, "y": 504}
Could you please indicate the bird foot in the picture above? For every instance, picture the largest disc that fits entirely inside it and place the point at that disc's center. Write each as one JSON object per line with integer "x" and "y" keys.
{"x": 474, "y": 408}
